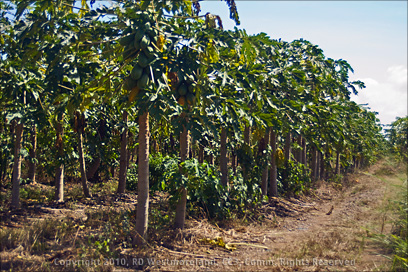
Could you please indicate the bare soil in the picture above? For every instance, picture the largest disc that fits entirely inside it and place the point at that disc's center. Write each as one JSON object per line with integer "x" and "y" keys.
{"x": 331, "y": 229}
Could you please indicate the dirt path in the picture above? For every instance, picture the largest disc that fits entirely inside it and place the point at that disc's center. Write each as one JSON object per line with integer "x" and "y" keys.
{"x": 329, "y": 232}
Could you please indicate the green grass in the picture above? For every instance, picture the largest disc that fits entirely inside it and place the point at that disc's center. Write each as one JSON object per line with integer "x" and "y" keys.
{"x": 396, "y": 209}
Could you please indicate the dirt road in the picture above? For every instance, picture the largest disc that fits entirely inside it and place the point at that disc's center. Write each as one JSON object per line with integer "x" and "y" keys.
{"x": 330, "y": 231}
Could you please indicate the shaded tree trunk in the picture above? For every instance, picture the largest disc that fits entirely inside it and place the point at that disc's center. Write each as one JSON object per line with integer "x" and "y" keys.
{"x": 201, "y": 154}
{"x": 142, "y": 213}
{"x": 234, "y": 161}
{"x": 112, "y": 171}
{"x": 181, "y": 205}
{"x": 123, "y": 161}
{"x": 285, "y": 174}
{"x": 224, "y": 157}
{"x": 322, "y": 167}
{"x": 313, "y": 163}
{"x": 80, "y": 126}
{"x": 84, "y": 179}
{"x": 93, "y": 168}
{"x": 264, "y": 178}
{"x": 32, "y": 164}
{"x": 337, "y": 171}
{"x": 304, "y": 153}
{"x": 317, "y": 165}
{"x": 247, "y": 135}
{"x": 3, "y": 156}
{"x": 211, "y": 156}
{"x": 59, "y": 175}
{"x": 299, "y": 151}
{"x": 15, "y": 191}
{"x": 273, "y": 187}
{"x": 247, "y": 142}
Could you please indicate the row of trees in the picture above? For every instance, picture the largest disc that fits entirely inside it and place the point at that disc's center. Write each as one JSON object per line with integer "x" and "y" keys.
{"x": 87, "y": 90}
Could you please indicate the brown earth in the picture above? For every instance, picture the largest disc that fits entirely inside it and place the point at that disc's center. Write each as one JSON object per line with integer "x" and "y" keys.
{"x": 332, "y": 229}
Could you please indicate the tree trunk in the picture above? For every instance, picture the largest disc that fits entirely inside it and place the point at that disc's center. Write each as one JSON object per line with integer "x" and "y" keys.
{"x": 211, "y": 156}
{"x": 181, "y": 205}
{"x": 313, "y": 163}
{"x": 247, "y": 135}
{"x": 32, "y": 164}
{"x": 234, "y": 162}
{"x": 304, "y": 154}
{"x": 59, "y": 175}
{"x": 93, "y": 168}
{"x": 264, "y": 178}
{"x": 273, "y": 187}
{"x": 317, "y": 165}
{"x": 247, "y": 142}
{"x": 59, "y": 183}
{"x": 337, "y": 171}
{"x": 142, "y": 212}
{"x": 224, "y": 157}
{"x": 15, "y": 192}
{"x": 112, "y": 171}
{"x": 201, "y": 154}
{"x": 172, "y": 144}
{"x": 299, "y": 151}
{"x": 123, "y": 156}
{"x": 285, "y": 176}
{"x": 3, "y": 157}
{"x": 129, "y": 151}
{"x": 84, "y": 180}
{"x": 322, "y": 177}
{"x": 287, "y": 146}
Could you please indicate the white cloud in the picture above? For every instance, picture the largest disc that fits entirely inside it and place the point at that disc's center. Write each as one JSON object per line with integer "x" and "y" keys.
{"x": 398, "y": 75}
{"x": 388, "y": 98}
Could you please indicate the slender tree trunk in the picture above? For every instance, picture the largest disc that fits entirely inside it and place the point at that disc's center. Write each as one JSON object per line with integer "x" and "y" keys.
{"x": 322, "y": 167}
{"x": 3, "y": 157}
{"x": 264, "y": 178}
{"x": 15, "y": 192}
{"x": 172, "y": 144}
{"x": 247, "y": 142}
{"x": 112, "y": 171}
{"x": 191, "y": 149}
{"x": 304, "y": 153}
{"x": 273, "y": 187}
{"x": 313, "y": 163}
{"x": 59, "y": 174}
{"x": 234, "y": 162}
{"x": 59, "y": 183}
{"x": 285, "y": 181}
{"x": 211, "y": 157}
{"x": 298, "y": 154}
{"x": 123, "y": 161}
{"x": 84, "y": 180}
{"x": 201, "y": 154}
{"x": 32, "y": 165}
{"x": 181, "y": 205}
{"x": 142, "y": 212}
{"x": 247, "y": 135}
{"x": 287, "y": 146}
{"x": 317, "y": 165}
{"x": 129, "y": 151}
{"x": 337, "y": 171}
{"x": 224, "y": 157}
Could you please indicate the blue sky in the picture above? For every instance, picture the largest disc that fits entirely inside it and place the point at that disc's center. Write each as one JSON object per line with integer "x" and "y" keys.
{"x": 370, "y": 35}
